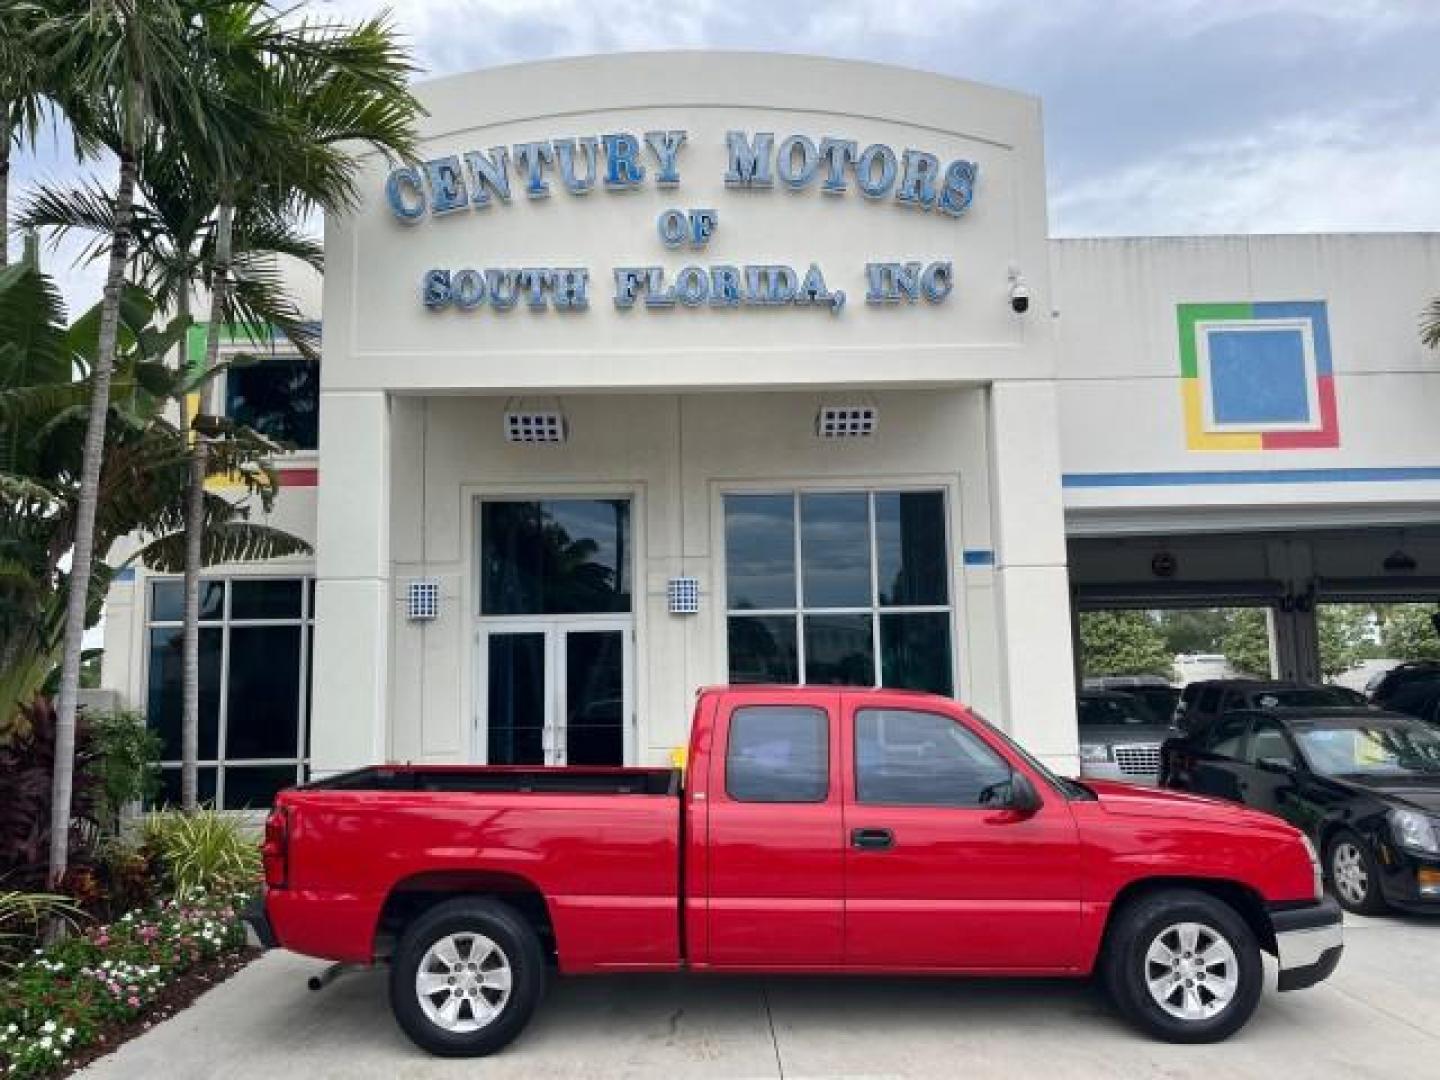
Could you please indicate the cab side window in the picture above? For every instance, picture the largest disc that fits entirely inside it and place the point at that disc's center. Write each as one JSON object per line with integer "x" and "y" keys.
{"x": 908, "y": 758}
{"x": 1227, "y": 736}
{"x": 1209, "y": 701}
{"x": 778, "y": 754}
{"x": 1268, "y": 743}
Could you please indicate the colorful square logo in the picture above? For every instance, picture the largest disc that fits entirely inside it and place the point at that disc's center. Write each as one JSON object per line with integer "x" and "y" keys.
{"x": 1257, "y": 376}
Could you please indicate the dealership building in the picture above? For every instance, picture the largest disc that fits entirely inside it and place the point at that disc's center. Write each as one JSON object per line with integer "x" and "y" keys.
{"x": 661, "y": 371}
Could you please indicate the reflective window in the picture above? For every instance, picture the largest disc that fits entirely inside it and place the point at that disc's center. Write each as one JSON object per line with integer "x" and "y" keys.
{"x": 778, "y": 753}
{"x": 278, "y": 397}
{"x": 1226, "y": 737}
{"x": 1268, "y": 743}
{"x": 907, "y": 758}
{"x": 555, "y": 556}
{"x": 255, "y": 647}
{"x": 847, "y": 588}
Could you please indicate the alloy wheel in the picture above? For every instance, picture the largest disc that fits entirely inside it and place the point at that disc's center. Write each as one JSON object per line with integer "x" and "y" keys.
{"x": 463, "y": 982}
{"x": 1191, "y": 971}
{"x": 1347, "y": 872}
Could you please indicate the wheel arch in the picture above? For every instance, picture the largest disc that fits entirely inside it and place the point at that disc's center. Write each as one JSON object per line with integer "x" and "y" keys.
{"x": 1241, "y": 898}
{"x": 411, "y": 897}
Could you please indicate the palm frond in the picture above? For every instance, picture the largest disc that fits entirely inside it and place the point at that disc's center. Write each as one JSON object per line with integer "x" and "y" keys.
{"x": 1430, "y": 324}
{"x": 231, "y": 542}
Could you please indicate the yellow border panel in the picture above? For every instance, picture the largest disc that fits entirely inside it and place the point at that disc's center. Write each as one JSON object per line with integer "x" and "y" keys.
{"x": 1197, "y": 438}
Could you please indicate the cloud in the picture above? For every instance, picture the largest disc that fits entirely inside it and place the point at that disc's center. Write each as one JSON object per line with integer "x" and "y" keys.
{"x": 1162, "y": 116}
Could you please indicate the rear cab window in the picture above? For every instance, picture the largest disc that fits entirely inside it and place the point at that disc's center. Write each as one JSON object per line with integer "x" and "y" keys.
{"x": 778, "y": 754}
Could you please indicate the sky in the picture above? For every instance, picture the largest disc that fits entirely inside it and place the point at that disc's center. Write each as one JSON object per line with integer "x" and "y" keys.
{"x": 1161, "y": 116}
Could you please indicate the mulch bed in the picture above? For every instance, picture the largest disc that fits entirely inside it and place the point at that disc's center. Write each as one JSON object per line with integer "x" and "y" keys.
{"x": 176, "y": 995}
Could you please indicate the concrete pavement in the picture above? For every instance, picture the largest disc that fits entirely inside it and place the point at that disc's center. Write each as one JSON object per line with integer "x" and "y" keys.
{"x": 1379, "y": 1016}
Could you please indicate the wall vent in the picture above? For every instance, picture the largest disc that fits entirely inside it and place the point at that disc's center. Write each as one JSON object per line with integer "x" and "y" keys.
{"x": 422, "y": 600}
{"x": 535, "y": 427}
{"x": 846, "y": 421}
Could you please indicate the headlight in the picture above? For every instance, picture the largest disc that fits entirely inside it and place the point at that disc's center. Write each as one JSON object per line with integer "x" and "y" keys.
{"x": 1093, "y": 753}
{"x": 1316, "y": 872}
{"x": 1415, "y": 831}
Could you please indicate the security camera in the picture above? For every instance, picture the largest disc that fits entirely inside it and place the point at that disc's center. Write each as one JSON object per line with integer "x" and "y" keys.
{"x": 1019, "y": 293}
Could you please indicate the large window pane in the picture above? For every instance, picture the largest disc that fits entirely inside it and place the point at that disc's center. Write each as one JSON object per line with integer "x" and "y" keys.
{"x": 167, "y": 600}
{"x": 778, "y": 754}
{"x": 169, "y": 794}
{"x": 762, "y": 649}
{"x": 595, "y": 697}
{"x": 910, "y": 549}
{"x": 253, "y": 787}
{"x": 163, "y": 700}
{"x": 265, "y": 599}
{"x": 279, "y": 398}
{"x": 840, "y": 650}
{"x": 915, "y": 652}
{"x": 835, "y": 550}
{"x": 263, "y": 715}
{"x": 760, "y": 551}
{"x": 555, "y": 557}
{"x": 516, "y": 700}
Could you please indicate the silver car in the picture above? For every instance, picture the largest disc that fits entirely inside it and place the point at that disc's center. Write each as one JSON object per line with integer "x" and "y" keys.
{"x": 1120, "y": 737}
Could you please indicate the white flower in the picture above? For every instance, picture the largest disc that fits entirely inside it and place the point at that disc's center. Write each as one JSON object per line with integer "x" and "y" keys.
{"x": 48, "y": 1026}
{"x": 45, "y": 1043}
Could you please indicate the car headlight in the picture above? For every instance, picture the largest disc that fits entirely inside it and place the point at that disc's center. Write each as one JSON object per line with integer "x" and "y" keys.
{"x": 1094, "y": 753}
{"x": 1415, "y": 831}
{"x": 1315, "y": 869}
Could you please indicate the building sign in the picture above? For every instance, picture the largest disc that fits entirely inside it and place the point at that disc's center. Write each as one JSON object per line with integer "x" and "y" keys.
{"x": 479, "y": 181}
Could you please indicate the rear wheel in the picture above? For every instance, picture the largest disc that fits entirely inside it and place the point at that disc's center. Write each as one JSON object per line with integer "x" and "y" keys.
{"x": 465, "y": 978}
{"x": 1183, "y": 966}
{"x": 1353, "y": 874}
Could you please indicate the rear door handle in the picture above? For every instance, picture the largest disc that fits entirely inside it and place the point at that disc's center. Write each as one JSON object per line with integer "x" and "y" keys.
{"x": 872, "y": 839}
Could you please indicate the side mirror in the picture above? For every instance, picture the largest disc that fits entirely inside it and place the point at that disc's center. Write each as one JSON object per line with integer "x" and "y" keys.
{"x": 1023, "y": 796}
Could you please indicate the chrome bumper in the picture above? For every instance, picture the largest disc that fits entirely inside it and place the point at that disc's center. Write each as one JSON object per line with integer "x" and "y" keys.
{"x": 1308, "y": 942}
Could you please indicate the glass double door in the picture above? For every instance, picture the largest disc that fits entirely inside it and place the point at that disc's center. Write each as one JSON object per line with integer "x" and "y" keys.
{"x": 555, "y": 692}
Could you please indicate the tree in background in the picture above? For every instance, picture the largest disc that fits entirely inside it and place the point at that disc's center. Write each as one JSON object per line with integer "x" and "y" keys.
{"x": 1193, "y": 630}
{"x": 1246, "y": 643}
{"x": 1123, "y": 643}
{"x": 1407, "y": 633}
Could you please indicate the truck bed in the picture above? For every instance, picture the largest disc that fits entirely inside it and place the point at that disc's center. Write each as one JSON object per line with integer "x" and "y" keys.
{"x": 518, "y": 779}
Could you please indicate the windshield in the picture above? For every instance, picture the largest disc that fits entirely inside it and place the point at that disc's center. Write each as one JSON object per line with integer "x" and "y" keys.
{"x": 1071, "y": 789}
{"x": 1113, "y": 712}
{"x": 1371, "y": 750}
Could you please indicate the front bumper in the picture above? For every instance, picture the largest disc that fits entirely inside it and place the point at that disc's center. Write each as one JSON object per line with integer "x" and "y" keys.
{"x": 1308, "y": 942}
{"x": 255, "y": 917}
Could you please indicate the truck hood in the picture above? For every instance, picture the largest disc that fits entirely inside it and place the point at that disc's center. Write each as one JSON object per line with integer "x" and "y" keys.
{"x": 1131, "y": 800}
{"x": 1113, "y": 734}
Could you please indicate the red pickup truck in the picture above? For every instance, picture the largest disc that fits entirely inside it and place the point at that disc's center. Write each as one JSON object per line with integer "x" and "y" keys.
{"x": 819, "y": 830}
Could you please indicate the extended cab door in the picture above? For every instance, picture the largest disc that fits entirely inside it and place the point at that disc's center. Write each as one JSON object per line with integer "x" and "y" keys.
{"x": 776, "y": 844}
{"x": 935, "y": 877}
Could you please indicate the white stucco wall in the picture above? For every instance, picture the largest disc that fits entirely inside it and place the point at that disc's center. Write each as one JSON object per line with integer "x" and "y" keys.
{"x": 1119, "y": 370}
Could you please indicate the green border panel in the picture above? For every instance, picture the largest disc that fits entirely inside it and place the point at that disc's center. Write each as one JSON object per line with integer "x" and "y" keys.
{"x": 1189, "y": 314}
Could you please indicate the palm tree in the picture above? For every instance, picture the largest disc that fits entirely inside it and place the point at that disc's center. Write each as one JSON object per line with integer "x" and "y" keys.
{"x": 22, "y": 97}
{"x": 324, "y": 85}
{"x": 174, "y": 241}
{"x": 133, "y": 65}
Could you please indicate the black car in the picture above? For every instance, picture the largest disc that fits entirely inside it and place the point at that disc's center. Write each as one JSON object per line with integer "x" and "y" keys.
{"x": 1364, "y": 785}
{"x": 1381, "y": 688}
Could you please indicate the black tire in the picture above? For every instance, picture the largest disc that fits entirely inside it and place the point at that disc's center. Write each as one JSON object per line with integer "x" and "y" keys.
{"x": 1368, "y": 900}
{"x": 519, "y": 948}
{"x": 1139, "y": 923}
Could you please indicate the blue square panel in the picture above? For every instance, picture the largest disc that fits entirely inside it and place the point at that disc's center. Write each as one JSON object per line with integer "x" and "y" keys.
{"x": 1258, "y": 376}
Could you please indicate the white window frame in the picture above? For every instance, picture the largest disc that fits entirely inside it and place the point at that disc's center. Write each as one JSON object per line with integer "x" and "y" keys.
{"x": 306, "y": 623}
{"x": 875, "y": 610}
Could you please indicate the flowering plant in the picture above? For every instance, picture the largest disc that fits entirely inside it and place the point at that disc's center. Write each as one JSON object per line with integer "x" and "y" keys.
{"x": 66, "y": 997}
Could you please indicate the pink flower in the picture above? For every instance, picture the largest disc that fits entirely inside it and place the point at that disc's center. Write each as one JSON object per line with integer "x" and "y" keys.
{"x": 103, "y": 939}
{"x": 133, "y": 1001}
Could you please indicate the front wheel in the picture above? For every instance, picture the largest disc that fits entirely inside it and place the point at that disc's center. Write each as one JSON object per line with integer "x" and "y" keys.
{"x": 465, "y": 978}
{"x": 1353, "y": 874}
{"x": 1183, "y": 966}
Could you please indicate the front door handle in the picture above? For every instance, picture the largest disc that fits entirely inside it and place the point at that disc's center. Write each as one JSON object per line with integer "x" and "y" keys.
{"x": 872, "y": 839}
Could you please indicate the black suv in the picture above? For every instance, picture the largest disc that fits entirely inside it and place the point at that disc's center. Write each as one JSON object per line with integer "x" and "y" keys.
{"x": 1203, "y": 701}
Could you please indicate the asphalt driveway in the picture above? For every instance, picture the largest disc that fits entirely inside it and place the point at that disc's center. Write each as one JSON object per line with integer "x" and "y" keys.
{"x": 1379, "y": 1016}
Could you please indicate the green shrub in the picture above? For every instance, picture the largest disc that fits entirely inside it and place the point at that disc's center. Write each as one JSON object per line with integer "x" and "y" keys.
{"x": 24, "y": 914}
{"x": 127, "y": 762}
{"x": 204, "y": 851}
